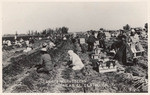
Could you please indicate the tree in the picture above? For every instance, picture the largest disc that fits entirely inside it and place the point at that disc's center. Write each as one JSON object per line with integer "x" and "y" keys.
{"x": 64, "y": 30}
{"x": 127, "y": 27}
{"x": 16, "y": 33}
{"x": 101, "y": 29}
{"x": 44, "y": 32}
{"x": 29, "y": 32}
{"x": 146, "y": 27}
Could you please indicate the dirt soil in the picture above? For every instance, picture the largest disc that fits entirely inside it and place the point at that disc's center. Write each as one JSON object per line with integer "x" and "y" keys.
{"x": 21, "y": 77}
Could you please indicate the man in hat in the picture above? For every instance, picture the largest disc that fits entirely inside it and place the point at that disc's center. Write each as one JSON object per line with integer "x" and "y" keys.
{"x": 121, "y": 55}
{"x": 91, "y": 40}
{"x": 45, "y": 64}
{"x": 101, "y": 37}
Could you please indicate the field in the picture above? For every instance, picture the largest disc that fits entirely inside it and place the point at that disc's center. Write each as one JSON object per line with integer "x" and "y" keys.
{"x": 20, "y": 75}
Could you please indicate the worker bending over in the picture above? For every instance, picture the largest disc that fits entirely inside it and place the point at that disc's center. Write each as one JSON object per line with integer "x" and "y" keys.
{"x": 45, "y": 64}
{"x": 76, "y": 61}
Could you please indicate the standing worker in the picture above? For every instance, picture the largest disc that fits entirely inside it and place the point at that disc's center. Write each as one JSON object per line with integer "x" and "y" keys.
{"x": 45, "y": 64}
{"x": 91, "y": 40}
{"x": 101, "y": 37}
{"x": 121, "y": 55}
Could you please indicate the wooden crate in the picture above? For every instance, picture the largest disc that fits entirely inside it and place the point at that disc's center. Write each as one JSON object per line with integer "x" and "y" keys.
{"x": 104, "y": 69}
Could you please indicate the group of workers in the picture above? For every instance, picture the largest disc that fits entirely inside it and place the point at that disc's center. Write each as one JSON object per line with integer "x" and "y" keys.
{"x": 100, "y": 37}
{"x": 19, "y": 43}
{"x": 76, "y": 61}
{"x": 46, "y": 65}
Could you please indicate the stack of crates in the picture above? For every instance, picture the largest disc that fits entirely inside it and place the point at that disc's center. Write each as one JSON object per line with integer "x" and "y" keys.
{"x": 108, "y": 66}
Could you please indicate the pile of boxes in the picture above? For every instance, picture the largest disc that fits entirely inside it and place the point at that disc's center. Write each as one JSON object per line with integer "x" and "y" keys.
{"x": 136, "y": 48}
{"x": 105, "y": 64}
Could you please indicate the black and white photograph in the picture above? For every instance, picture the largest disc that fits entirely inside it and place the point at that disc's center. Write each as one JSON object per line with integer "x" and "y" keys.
{"x": 75, "y": 47}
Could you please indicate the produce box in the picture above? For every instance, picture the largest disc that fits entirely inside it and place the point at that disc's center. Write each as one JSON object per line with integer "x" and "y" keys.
{"x": 108, "y": 66}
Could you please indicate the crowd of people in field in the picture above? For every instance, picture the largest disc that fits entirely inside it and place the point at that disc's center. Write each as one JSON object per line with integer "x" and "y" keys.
{"x": 118, "y": 47}
{"x": 17, "y": 43}
{"x": 95, "y": 41}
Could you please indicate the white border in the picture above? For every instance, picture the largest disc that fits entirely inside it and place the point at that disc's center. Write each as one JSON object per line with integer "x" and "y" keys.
{"x": 1, "y": 1}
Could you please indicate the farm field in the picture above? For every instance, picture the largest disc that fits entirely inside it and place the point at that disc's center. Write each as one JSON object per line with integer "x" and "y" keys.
{"x": 20, "y": 75}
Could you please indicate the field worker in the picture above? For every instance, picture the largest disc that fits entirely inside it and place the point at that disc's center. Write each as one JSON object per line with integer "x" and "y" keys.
{"x": 44, "y": 45}
{"x": 19, "y": 44}
{"x": 76, "y": 61}
{"x": 4, "y": 42}
{"x": 121, "y": 53}
{"x": 27, "y": 42}
{"x": 64, "y": 38}
{"x": 21, "y": 40}
{"x": 8, "y": 42}
{"x": 101, "y": 37}
{"x": 16, "y": 42}
{"x": 135, "y": 38}
{"x": 40, "y": 38}
{"x": 51, "y": 45}
{"x": 45, "y": 64}
{"x": 27, "y": 49}
{"x": 91, "y": 40}
{"x": 132, "y": 32}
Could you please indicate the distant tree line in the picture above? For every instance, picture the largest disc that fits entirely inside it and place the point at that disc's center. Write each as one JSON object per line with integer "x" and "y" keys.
{"x": 49, "y": 32}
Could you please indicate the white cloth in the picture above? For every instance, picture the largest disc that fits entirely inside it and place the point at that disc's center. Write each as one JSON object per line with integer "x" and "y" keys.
{"x": 64, "y": 38}
{"x": 40, "y": 38}
{"x": 28, "y": 49}
{"x": 78, "y": 65}
{"x": 4, "y": 42}
{"x": 21, "y": 40}
{"x": 27, "y": 42}
{"x": 135, "y": 38}
{"x": 51, "y": 44}
{"x": 9, "y": 43}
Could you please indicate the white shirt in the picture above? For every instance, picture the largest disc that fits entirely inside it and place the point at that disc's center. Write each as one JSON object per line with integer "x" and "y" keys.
{"x": 76, "y": 61}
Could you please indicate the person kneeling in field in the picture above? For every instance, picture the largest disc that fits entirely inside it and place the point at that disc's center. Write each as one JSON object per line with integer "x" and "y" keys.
{"x": 51, "y": 45}
{"x": 76, "y": 61}
{"x": 28, "y": 49}
{"x": 45, "y": 64}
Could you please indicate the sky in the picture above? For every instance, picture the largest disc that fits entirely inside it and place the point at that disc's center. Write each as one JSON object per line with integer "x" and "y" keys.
{"x": 77, "y": 16}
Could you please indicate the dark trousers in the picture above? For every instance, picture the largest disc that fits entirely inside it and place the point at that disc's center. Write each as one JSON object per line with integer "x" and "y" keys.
{"x": 102, "y": 44}
{"x": 90, "y": 46}
{"x": 42, "y": 69}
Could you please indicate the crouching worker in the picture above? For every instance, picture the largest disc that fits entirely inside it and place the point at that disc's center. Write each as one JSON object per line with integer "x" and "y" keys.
{"x": 76, "y": 61}
{"x": 45, "y": 64}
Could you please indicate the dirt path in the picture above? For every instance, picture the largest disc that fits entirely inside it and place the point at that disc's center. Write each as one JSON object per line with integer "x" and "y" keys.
{"x": 58, "y": 87}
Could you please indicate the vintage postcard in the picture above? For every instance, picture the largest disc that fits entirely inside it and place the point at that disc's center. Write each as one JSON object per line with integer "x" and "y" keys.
{"x": 74, "y": 47}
